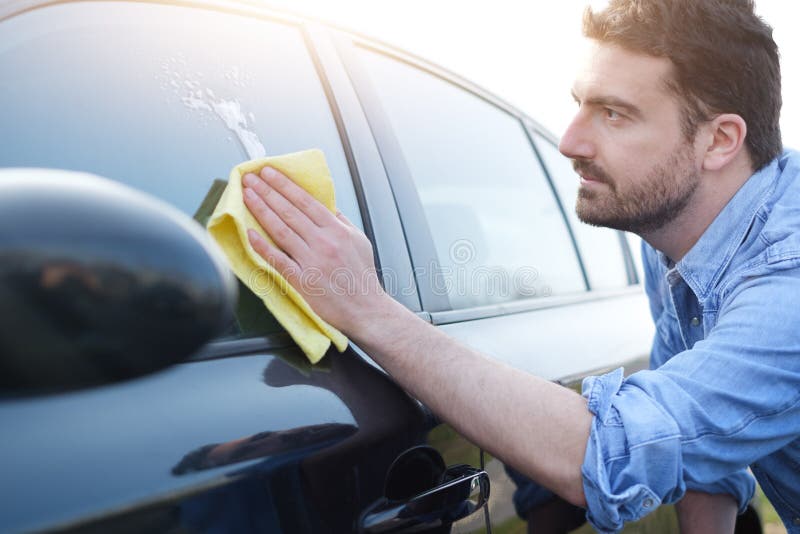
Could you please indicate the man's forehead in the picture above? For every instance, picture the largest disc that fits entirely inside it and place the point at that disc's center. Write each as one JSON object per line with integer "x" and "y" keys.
{"x": 609, "y": 70}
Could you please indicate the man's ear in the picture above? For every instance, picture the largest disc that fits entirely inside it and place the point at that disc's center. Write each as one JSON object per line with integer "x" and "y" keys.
{"x": 725, "y": 134}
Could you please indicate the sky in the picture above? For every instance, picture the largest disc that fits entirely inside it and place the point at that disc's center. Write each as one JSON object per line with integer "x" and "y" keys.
{"x": 526, "y": 52}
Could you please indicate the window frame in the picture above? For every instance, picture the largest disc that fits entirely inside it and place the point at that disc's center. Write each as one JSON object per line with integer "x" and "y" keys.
{"x": 377, "y": 201}
{"x": 419, "y": 237}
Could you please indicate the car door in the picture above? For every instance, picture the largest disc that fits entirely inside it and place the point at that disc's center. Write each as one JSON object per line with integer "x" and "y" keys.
{"x": 501, "y": 261}
{"x": 246, "y": 436}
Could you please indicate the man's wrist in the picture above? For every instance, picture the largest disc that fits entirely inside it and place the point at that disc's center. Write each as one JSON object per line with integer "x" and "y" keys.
{"x": 373, "y": 319}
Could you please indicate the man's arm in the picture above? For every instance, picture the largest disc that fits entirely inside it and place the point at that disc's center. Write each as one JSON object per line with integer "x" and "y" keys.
{"x": 536, "y": 426}
{"x": 704, "y": 513}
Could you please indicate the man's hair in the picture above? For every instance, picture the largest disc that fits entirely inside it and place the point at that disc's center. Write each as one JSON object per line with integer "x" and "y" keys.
{"x": 724, "y": 58}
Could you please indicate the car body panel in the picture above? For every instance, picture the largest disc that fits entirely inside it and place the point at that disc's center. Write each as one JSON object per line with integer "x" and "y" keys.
{"x": 201, "y": 426}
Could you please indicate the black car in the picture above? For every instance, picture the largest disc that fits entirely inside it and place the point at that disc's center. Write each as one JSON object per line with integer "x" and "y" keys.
{"x": 139, "y": 395}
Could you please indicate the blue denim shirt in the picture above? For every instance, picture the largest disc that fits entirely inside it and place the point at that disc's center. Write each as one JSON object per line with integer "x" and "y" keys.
{"x": 723, "y": 392}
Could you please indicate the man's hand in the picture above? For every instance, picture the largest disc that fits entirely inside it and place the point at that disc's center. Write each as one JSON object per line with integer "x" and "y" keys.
{"x": 703, "y": 513}
{"x": 322, "y": 255}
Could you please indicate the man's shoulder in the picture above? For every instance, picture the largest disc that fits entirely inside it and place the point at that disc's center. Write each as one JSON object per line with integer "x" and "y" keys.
{"x": 774, "y": 232}
{"x": 773, "y": 243}
{"x": 781, "y": 213}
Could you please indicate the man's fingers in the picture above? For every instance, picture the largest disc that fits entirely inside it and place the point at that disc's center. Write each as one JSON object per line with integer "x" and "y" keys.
{"x": 288, "y": 212}
{"x": 283, "y": 235}
{"x": 341, "y": 216}
{"x": 278, "y": 259}
{"x": 297, "y": 196}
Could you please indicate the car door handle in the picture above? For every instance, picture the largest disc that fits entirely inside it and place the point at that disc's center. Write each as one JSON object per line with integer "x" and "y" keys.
{"x": 465, "y": 490}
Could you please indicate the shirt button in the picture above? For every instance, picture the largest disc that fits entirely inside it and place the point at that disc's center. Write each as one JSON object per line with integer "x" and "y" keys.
{"x": 647, "y": 503}
{"x": 796, "y": 521}
{"x": 695, "y": 321}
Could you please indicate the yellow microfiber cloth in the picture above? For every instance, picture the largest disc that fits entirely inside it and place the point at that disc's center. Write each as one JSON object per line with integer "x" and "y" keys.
{"x": 228, "y": 225}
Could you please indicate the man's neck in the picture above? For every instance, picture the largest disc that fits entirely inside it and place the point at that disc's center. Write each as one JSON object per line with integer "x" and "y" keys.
{"x": 716, "y": 189}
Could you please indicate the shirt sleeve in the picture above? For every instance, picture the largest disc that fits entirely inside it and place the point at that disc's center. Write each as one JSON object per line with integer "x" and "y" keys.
{"x": 702, "y": 417}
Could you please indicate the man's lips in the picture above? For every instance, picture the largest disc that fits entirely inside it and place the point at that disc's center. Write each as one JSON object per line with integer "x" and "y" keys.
{"x": 588, "y": 178}
{"x": 590, "y": 173}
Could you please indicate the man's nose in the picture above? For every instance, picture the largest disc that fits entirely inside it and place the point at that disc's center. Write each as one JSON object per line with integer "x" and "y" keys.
{"x": 577, "y": 143}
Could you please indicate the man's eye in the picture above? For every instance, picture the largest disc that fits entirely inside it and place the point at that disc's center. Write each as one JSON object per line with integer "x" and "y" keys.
{"x": 612, "y": 115}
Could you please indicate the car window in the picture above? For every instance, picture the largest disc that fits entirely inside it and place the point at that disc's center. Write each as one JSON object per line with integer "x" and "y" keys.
{"x": 497, "y": 229}
{"x": 600, "y": 248}
{"x": 635, "y": 246}
{"x": 165, "y": 99}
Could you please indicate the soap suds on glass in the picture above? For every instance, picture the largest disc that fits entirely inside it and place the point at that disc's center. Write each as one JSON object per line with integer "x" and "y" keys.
{"x": 191, "y": 92}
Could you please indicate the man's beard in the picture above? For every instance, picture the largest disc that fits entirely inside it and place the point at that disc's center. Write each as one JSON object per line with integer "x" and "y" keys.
{"x": 645, "y": 205}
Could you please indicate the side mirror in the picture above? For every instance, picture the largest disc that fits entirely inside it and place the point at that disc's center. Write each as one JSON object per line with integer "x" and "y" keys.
{"x": 100, "y": 282}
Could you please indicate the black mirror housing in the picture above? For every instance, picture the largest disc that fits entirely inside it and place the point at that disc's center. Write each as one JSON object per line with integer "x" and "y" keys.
{"x": 100, "y": 282}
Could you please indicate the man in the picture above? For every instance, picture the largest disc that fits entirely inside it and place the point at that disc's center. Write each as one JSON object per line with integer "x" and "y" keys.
{"x": 676, "y": 138}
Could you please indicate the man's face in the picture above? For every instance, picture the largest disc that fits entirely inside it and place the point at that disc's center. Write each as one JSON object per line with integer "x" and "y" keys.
{"x": 638, "y": 171}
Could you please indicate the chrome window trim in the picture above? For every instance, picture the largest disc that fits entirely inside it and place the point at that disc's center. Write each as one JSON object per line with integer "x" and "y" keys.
{"x": 521, "y": 306}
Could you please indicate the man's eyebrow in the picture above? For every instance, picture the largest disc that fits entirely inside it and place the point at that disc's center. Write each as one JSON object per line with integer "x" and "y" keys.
{"x": 612, "y": 101}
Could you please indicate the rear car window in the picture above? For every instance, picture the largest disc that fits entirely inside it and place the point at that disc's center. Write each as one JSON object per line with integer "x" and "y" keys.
{"x": 165, "y": 99}
{"x": 498, "y": 231}
{"x": 600, "y": 248}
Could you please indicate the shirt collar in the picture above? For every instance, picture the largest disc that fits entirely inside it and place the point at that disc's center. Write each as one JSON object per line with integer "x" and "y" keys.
{"x": 705, "y": 262}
